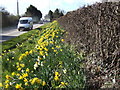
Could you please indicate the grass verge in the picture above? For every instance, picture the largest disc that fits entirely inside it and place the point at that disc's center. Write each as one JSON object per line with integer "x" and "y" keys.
{"x": 44, "y": 60}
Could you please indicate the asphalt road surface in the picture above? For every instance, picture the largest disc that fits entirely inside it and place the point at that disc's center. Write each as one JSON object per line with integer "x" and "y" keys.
{"x": 12, "y": 32}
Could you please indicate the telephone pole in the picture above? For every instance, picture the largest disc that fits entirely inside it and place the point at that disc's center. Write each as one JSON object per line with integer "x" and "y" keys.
{"x": 17, "y": 8}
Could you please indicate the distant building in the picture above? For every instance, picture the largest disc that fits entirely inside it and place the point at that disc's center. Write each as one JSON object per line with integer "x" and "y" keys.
{"x": 110, "y": 0}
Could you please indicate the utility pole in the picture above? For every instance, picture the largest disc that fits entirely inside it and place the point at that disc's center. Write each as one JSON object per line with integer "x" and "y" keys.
{"x": 17, "y": 8}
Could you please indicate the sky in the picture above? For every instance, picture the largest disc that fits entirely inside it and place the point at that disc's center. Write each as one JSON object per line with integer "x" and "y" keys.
{"x": 44, "y": 5}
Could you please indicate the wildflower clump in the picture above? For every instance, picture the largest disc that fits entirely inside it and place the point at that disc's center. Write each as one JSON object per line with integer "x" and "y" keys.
{"x": 51, "y": 63}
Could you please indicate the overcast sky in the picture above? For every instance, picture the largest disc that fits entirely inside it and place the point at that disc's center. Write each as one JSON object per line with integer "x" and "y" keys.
{"x": 44, "y": 5}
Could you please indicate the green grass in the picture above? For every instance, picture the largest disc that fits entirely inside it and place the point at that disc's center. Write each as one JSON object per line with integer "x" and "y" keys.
{"x": 44, "y": 53}
{"x": 11, "y": 44}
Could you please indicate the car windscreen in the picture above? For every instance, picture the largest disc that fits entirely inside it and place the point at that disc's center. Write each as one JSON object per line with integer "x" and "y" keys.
{"x": 23, "y": 21}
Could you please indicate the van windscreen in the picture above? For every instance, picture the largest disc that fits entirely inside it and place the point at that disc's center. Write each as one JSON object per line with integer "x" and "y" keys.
{"x": 23, "y": 21}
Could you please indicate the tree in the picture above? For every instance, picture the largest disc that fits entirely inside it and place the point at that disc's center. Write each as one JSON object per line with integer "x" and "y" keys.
{"x": 57, "y": 13}
{"x": 33, "y": 11}
{"x": 61, "y": 14}
{"x": 7, "y": 18}
{"x": 54, "y": 15}
{"x": 50, "y": 15}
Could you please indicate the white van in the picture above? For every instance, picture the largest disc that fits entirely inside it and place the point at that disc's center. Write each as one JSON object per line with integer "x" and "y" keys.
{"x": 25, "y": 23}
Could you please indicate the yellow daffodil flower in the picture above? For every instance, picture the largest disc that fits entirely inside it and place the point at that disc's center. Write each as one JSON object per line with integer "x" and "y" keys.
{"x": 25, "y": 80}
{"x": 43, "y": 83}
{"x": 57, "y": 74}
{"x": 1, "y": 85}
{"x": 13, "y": 73}
{"x": 22, "y": 65}
{"x": 26, "y": 84}
{"x": 56, "y": 78}
{"x": 25, "y": 75}
{"x": 27, "y": 70}
{"x": 19, "y": 69}
{"x": 20, "y": 77}
{"x": 18, "y": 86}
{"x": 62, "y": 40}
{"x": 7, "y": 81}
{"x": 7, "y": 85}
{"x": 7, "y": 77}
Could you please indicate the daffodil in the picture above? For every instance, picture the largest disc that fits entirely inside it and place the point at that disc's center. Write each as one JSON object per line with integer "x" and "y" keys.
{"x": 39, "y": 58}
{"x": 25, "y": 75}
{"x": 64, "y": 71}
{"x": 38, "y": 80}
{"x": 18, "y": 86}
{"x": 57, "y": 46}
{"x": 21, "y": 77}
{"x": 60, "y": 62}
{"x": 8, "y": 59}
{"x": 17, "y": 63}
{"x": 45, "y": 49}
{"x": 7, "y": 77}
{"x": 27, "y": 53}
{"x": 7, "y": 81}
{"x": 41, "y": 53}
{"x": 31, "y": 51}
{"x": 21, "y": 57}
{"x": 18, "y": 74}
{"x": 43, "y": 83}
{"x": 1, "y": 85}
{"x": 22, "y": 65}
{"x": 34, "y": 80}
{"x": 62, "y": 40}
{"x": 13, "y": 73}
{"x": 57, "y": 74}
{"x": 52, "y": 47}
{"x": 26, "y": 84}
{"x": 55, "y": 50}
{"x": 27, "y": 70}
{"x": 61, "y": 50}
{"x": 62, "y": 83}
{"x": 7, "y": 85}
{"x": 56, "y": 78}
{"x": 25, "y": 80}
{"x": 19, "y": 69}
{"x": 51, "y": 42}
{"x": 46, "y": 53}
{"x": 4, "y": 50}
{"x": 13, "y": 57}
{"x": 56, "y": 36}
{"x": 35, "y": 65}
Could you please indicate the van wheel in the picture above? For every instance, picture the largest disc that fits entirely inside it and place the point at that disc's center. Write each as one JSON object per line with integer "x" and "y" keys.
{"x": 31, "y": 27}
{"x": 18, "y": 29}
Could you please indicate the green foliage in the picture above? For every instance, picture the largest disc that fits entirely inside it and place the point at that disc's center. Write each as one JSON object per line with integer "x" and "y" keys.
{"x": 8, "y": 20}
{"x": 33, "y": 11}
{"x": 11, "y": 44}
{"x": 50, "y": 15}
{"x": 57, "y": 13}
{"x": 44, "y": 60}
{"x": 54, "y": 15}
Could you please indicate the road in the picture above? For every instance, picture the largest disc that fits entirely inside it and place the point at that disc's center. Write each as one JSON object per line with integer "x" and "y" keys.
{"x": 12, "y": 32}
